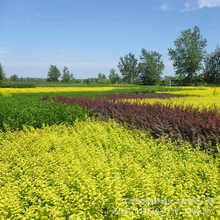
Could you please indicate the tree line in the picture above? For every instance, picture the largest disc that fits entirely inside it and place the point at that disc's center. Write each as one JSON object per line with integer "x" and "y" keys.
{"x": 66, "y": 76}
{"x": 190, "y": 60}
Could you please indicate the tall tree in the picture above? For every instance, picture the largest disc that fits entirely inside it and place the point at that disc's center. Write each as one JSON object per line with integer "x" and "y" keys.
{"x": 113, "y": 76}
{"x": 102, "y": 78}
{"x": 2, "y": 74}
{"x": 14, "y": 78}
{"x": 150, "y": 67}
{"x": 212, "y": 67}
{"x": 128, "y": 66}
{"x": 189, "y": 53}
{"x": 67, "y": 76}
{"x": 53, "y": 74}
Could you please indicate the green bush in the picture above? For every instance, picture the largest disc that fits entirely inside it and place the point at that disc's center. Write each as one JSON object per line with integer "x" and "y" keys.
{"x": 4, "y": 84}
{"x": 15, "y": 112}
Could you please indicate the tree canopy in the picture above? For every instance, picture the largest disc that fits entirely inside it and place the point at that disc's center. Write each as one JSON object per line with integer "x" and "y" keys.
{"x": 113, "y": 76}
{"x": 2, "y": 74}
{"x": 53, "y": 74}
{"x": 67, "y": 76}
{"x": 189, "y": 53}
{"x": 212, "y": 67}
{"x": 150, "y": 67}
{"x": 128, "y": 66}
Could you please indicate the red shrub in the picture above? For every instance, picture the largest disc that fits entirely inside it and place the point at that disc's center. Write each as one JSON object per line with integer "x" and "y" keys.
{"x": 190, "y": 124}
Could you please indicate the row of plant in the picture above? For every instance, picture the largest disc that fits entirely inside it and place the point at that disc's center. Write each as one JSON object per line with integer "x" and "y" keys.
{"x": 190, "y": 124}
{"x": 8, "y": 84}
{"x": 81, "y": 90}
{"x": 15, "y": 112}
{"x": 203, "y": 97}
{"x": 18, "y": 107}
{"x": 100, "y": 170}
{"x": 141, "y": 96}
{"x": 196, "y": 102}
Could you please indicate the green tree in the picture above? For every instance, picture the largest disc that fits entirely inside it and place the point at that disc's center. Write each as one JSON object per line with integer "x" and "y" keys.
{"x": 150, "y": 67}
{"x": 102, "y": 78}
{"x": 113, "y": 76}
{"x": 2, "y": 74}
{"x": 53, "y": 74}
{"x": 189, "y": 53}
{"x": 128, "y": 67}
{"x": 14, "y": 78}
{"x": 67, "y": 76}
{"x": 168, "y": 80}
{"x": 212, "y": 67}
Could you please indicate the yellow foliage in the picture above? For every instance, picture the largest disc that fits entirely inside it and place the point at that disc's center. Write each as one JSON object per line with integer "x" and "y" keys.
{"x": 100, "y": 170}
{"x": 202, "y": 97}
{"x": 197, "y": 91}
{"x": 4, "y": 93}
{"x": 56, "y": 89}
{"x": 124, "y": 87}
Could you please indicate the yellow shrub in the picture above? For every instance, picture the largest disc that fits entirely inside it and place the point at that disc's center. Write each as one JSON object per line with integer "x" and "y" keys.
{"x": 100, "y": 170}
{"x": 197, "y": 91}
{"x": 203, "y": 97}
{"x": 56, "y": 89}
{"x": 4, "y": 93}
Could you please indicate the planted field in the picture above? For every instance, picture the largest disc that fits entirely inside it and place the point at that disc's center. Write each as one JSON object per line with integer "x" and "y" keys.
{"x": 82, "y": 90}
{"x": 109, "y": 153}
{"x": 99, "y": 170}
{"x": 16, "y": 112}
{"x": 204, "y": 97}
{"x": 199, "y": 127}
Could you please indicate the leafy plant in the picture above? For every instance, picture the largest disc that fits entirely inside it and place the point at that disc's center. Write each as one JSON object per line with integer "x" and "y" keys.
{"x": 128, "y": 67}
{"x": 189, "y": 53}
{"x": 2, "y": 74}
{"x": 15, "y": 113}
{"x": 212, "y": 67}
{"x": 99, "y": 170}
{"x": 190, "y": 124}
{"x": 53, "y": 74}
{"x": 6, "y": 84}
{"x": 150, "y": 67}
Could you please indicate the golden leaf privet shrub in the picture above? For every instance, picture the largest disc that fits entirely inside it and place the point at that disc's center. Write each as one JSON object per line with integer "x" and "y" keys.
{"x": 100, "y": 170}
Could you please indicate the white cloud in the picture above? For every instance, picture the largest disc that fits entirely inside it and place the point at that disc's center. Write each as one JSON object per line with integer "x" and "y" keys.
{"x": 209, "y": 3}
{"x": 164, "y": 7}
{"x": 190, "y": 5}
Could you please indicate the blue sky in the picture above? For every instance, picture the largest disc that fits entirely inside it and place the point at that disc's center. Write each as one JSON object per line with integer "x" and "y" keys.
{"x": 89, "y": 36}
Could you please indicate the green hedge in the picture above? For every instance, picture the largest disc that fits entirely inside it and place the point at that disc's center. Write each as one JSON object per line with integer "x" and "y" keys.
{"x": 17, "y": 85}
{"x": 16, "y": 112}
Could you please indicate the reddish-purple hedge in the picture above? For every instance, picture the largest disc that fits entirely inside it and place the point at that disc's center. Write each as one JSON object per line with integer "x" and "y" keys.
{"x": 140, "y": 96}
{"x": 190, "y": 124}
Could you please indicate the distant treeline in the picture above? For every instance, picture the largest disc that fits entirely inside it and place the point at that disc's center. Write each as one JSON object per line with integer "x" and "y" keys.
{"x": 192, "y": 65}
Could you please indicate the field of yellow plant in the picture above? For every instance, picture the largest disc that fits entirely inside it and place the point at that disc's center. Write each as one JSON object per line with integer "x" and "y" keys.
{"x": 55, "y": 89}
{"x": 100, "y": 170}
{"x": 197, "y": 91}
{"x": 202, "y": 97}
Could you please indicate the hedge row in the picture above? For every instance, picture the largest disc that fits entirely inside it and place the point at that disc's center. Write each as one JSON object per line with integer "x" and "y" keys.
{"x": 17, "y": 85}
{"x": 14, "y": 113}
{"x": 140, "y": 96}
{"x": 193, "y": 125}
